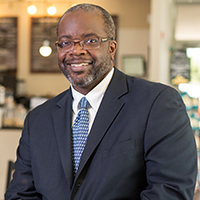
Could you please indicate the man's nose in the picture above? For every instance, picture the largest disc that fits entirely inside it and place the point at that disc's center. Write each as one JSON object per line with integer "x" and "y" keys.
{"x": 77, "y": 49}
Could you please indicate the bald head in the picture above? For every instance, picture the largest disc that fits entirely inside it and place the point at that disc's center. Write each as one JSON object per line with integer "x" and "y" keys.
{"x": 109, "y": 26}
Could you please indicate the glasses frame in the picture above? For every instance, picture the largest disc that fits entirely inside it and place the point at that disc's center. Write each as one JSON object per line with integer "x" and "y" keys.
{"x": 81, "y": 43}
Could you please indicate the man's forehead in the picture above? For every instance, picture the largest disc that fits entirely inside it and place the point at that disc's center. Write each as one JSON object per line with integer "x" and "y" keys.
{"x": 83, "y": 14}
{"x": 77, "y": 24}
{"x": 81, "y": 20}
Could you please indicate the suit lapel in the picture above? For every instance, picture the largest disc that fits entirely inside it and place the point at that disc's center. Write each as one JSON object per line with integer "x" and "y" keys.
{"x": 62, "y": 122}
{"x": 108, "y": 110}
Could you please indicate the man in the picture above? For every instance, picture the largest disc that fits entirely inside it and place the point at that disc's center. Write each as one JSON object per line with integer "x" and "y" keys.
{"x": 139, "y": 141}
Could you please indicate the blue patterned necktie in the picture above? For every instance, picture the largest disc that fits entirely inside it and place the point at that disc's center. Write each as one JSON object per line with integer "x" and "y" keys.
{"x": 80, "y": 132}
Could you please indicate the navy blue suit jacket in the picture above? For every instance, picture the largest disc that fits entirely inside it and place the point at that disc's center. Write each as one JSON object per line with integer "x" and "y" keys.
{"x": 141, "y": 146}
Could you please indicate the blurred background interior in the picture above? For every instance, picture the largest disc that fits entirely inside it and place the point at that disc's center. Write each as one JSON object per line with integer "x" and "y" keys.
{"x": 158, "y": 40}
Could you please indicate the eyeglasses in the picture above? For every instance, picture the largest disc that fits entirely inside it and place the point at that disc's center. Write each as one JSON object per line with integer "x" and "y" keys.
{"x": 87, "y": 44}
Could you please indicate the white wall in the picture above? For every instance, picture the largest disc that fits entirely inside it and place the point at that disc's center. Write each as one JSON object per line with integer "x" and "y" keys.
{"x": 161, "y": 39}
{"x": 132, "y": 42}
{"x": 188, "y": 22}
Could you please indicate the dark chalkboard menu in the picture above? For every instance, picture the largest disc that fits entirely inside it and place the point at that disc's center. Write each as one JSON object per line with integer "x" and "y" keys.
{"x": 43, "y": 28}
{"x": 8, "y": 44}
{"x": 179, "y": 67}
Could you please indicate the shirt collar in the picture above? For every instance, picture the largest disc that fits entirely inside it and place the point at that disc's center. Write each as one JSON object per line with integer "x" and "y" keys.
{"x": 94, "y": 96}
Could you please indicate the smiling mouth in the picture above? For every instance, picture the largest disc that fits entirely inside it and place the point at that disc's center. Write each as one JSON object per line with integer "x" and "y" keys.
{"x": 79, "y": 65}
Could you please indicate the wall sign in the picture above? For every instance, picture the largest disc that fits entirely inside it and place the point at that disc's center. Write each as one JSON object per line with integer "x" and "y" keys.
{"x": 134, "y": 65}
{"x": 43, "y": 28}
{"x": 179, "y": 67}
{"x": 8, "y": 44}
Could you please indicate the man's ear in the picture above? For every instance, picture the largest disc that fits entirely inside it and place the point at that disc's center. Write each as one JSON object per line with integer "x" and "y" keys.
{"x": 113, "y": 48}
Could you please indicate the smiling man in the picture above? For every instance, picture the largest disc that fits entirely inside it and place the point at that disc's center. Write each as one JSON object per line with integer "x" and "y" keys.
{"x": 109, "y": 136}
{"x": 85, "y": 50}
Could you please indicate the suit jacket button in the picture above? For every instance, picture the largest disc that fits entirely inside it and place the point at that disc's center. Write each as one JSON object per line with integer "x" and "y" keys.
{"x": 78, "y": 184}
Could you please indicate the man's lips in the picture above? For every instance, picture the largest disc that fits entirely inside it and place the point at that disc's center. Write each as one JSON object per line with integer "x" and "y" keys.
{"x": 79, "y": 66}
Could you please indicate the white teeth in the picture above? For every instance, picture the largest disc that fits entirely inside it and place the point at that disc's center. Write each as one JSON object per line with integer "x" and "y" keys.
{"x": 78, "y": 65}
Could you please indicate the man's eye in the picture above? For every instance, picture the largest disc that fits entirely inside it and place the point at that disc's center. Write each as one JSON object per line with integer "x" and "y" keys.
{"x": 91, "y": 41}
{"x": 65, "y": 44}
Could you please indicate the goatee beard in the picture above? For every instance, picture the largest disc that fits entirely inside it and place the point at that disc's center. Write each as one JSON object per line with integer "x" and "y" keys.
{"x": 94, "y": 73}
{"x": 76, "y": 81}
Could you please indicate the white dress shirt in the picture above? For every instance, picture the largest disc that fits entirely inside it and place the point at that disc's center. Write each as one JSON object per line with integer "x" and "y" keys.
{"x": 94, "y": 97}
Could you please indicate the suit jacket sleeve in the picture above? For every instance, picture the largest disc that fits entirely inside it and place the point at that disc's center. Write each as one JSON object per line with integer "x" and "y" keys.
{"x": 170, "y": 151}
{"x": 22, "y": 185}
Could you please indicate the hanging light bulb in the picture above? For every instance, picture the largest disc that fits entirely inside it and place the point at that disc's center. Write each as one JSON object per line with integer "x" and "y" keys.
{"x": 32, "y": 9}
{"x": 51, "y": 10}
{"x": 45, "y": 50}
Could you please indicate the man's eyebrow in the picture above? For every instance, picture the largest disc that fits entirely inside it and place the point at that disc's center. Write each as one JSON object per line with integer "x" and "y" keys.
{"x": 65, "y": 36}
{"x": 89, "y": 35}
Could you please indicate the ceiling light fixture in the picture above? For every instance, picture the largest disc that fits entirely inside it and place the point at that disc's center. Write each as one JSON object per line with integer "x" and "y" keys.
{"x": 32, "y": 9}
{"x": 51, "y": 10}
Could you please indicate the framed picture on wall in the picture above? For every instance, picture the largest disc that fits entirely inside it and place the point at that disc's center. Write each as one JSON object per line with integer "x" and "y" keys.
{"x": 8, "y": 44}
{"x": 134, "y": 65}
{"x": 43, "y": 29}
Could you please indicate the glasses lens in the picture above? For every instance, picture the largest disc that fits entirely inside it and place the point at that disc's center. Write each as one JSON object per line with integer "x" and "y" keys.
{"x": 64, "y": 46}
{"x": 92, "y": 43}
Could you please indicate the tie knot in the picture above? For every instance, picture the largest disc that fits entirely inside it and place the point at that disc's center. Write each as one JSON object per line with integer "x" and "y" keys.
{"x": 84, "y": 103}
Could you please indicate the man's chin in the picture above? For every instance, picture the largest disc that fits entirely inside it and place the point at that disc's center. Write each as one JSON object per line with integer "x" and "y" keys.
{"x": 80, "y": 82}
